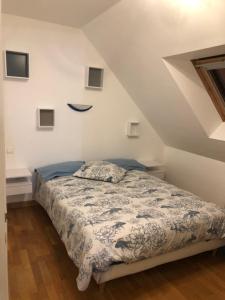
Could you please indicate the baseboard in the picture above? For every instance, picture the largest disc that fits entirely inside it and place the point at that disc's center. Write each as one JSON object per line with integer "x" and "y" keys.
{"x": 22, "y": 204}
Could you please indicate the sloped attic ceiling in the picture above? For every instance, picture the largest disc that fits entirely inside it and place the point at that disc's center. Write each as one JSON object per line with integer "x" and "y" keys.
{"x": 66, "y": 12}
{"x": 148, "y": 44}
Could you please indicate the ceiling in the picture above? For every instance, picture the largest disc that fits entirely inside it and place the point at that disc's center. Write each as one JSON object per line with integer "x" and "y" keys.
{"x": 74, "y": 13}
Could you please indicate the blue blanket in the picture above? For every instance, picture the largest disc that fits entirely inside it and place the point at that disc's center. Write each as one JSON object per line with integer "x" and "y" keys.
{"x": 57, "y": 170}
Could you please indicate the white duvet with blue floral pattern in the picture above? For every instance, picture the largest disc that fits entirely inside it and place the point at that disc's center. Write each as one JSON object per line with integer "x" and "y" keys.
{"x": 103, "y": 223}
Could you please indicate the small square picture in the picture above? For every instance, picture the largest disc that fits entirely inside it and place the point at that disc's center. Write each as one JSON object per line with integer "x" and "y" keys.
{"x": 16, "y": 64}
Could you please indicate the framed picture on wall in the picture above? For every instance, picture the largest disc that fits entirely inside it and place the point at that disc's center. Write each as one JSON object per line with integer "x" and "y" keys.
{"x": 16, "y": 64}
{"x": 94, "y": 78}
{"x": 45, "y": 118}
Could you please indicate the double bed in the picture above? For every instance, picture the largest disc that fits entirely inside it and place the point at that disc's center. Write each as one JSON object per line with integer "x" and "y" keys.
{"x": 112, "y": 230}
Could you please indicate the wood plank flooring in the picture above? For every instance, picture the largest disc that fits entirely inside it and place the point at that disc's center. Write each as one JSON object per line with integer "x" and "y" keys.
{"x": 40, "y": 269}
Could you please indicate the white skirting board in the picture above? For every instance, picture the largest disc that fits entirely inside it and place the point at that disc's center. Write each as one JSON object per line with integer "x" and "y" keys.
{"x": 121, "y": 270}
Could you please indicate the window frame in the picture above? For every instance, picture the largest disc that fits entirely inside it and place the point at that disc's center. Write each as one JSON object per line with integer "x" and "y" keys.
{"x": 209, "y": 83}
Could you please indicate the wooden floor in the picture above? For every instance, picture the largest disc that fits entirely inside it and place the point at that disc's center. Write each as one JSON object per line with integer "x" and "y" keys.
{"x": 40, "y": 269}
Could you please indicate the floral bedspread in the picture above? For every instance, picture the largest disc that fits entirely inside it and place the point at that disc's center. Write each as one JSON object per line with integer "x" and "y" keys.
{"x": 142, "y": 216}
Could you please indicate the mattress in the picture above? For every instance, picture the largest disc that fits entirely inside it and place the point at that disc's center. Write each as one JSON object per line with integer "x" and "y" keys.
{"x": 103, "y": 224}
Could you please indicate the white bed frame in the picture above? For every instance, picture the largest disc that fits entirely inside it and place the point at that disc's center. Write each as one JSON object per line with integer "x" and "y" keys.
{"x": 120, "y": 270}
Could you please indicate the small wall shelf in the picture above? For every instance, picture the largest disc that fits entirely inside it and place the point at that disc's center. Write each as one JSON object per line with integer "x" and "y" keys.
{"x": 18, "y": 181}
{"x": 94, "y": 78}
{"x": 132, "y": 129}
{"x": 16, "y": 64}
{"x": 45, "y": 118}
{"x": 79, "y": 107}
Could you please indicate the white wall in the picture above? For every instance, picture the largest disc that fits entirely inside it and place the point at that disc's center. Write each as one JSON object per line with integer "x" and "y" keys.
{"x": 135, "y": 37}
{"x": 200, "y": 175}
{"x": 58, "y": 56}
{"x": 155, "y": 40}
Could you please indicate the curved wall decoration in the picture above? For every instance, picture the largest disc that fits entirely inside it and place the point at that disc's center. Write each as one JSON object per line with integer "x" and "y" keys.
{"x": 79, "y": 107}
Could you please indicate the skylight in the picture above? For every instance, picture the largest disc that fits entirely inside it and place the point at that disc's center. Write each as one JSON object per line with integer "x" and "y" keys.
{"x": 211, "y": 70}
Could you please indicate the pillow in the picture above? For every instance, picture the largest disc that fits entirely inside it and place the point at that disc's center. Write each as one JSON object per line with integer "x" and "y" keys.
{"x": 101, "y": 170}
{"x": 62, "y": 169}
{"x": 128, "y": 164}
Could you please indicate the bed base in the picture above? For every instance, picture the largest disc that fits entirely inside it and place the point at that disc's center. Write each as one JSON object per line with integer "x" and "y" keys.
{"x": 121, "y": 270}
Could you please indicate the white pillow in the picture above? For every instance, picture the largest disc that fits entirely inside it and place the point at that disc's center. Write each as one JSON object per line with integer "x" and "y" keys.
{"x": 101, "y": 170}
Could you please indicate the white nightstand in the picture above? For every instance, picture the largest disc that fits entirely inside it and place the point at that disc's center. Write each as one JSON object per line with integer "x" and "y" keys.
{"x": 154, "y": 168}
{"x": 18, "y": 182}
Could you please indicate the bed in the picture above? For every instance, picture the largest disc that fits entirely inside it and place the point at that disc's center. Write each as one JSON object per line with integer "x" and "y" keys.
{"x": 112, "y": 230}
